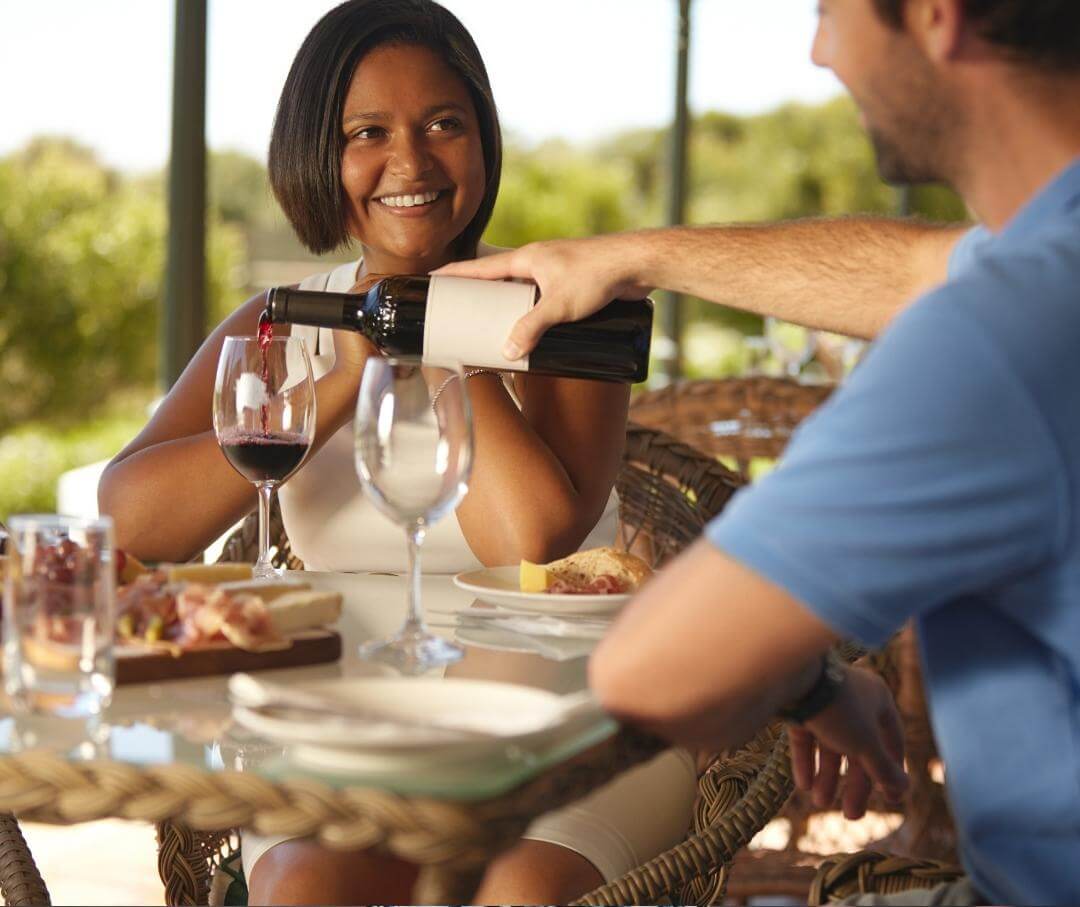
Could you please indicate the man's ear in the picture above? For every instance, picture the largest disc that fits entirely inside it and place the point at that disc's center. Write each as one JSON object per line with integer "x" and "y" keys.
{"x": 937, "y": 26}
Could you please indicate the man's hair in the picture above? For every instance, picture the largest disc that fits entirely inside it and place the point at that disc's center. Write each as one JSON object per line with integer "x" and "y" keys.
{"x": 307, "y": 141}
{"x": 1042, "y": 33}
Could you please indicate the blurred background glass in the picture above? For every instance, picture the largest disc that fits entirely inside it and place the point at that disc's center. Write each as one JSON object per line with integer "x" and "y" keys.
{"x": 59, "y": 612}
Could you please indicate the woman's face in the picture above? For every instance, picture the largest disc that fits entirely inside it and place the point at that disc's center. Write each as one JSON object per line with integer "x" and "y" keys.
{"x": 413, "y": 166}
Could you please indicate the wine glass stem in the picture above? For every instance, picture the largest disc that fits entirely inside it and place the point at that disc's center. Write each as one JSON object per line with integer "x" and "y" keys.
{"x": 263, "y": 566}
{"x": 414, "y": 619}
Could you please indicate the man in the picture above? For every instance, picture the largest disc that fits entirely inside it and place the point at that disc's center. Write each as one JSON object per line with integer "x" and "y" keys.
{"x": 939, "y": 483}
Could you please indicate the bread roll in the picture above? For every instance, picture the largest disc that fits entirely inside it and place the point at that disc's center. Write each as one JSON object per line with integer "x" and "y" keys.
{"x": 582, "y": 567}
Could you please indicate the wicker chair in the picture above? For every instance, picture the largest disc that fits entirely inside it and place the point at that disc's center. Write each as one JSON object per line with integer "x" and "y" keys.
{"x": 738, "y": 418}
{"x": 20, "y": 881}
{"x": 875, "y": 873}
{"x": 741, "y": 419}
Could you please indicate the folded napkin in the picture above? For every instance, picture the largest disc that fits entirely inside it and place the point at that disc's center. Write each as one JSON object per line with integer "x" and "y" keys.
{"x": 554, "y": 638}
{"x": 536, "y": 624}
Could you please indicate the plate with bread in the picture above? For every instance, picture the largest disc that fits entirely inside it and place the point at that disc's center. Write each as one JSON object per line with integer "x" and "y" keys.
{"x": 597, "y": 581}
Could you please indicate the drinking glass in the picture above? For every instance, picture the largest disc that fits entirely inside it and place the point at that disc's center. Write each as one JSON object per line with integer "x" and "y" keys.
{"x": 838, "y": 352}
{"x": 59, "y": 615}
{"x": 264, "y": 418}
{"x": 413, "y": 455}
{"x": 756, "y": 353}
{"x": 792, "y": 345}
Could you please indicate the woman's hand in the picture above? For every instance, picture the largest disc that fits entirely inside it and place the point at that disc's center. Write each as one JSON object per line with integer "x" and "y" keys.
{"x": 861, "y": 725}
{"x": 351, "y": 348}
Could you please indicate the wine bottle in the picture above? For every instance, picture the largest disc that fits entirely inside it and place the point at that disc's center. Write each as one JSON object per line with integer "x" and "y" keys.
{"x": 448, "y": 320}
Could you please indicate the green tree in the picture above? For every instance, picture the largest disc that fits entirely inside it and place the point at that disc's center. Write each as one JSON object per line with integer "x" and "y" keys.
{"x": 81, "y": 262}
{"x": 557, "y": 191}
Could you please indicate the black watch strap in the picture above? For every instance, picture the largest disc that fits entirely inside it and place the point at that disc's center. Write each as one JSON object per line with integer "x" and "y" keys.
{"x": 821, "y": 695}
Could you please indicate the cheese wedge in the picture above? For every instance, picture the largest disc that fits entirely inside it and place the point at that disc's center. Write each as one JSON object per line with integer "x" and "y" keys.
{"x": 534, "y": 577}
{"x": 304, "y": 610}
{"x": 206, "y": 573}
{"x": 266, "y": 589}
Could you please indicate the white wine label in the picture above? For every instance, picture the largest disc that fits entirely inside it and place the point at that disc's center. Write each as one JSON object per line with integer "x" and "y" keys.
{"x": 467, "y": 321}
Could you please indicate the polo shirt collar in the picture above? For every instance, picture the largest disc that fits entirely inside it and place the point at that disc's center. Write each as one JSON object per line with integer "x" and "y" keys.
{"x": 1060, "y": 196}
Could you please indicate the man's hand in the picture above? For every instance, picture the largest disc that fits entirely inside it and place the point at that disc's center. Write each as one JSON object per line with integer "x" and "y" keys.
{"x": 862, "y": 725}
{"x": 576, "y": 278}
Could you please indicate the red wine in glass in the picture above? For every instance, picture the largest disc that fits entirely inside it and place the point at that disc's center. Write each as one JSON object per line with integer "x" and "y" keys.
{"x": 265, "y": 457}
{"x": 265, "y": 335}
{"x": 264, "y": 417}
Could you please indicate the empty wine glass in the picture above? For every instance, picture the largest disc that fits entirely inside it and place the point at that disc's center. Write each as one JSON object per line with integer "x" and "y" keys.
{"x": 264, "y": 418}
{"x": 413, "y": 455}
{"x": 792, "y": 345}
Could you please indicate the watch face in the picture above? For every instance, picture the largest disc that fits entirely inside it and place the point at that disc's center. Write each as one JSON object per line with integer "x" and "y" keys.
{"x": 821, "y": 695}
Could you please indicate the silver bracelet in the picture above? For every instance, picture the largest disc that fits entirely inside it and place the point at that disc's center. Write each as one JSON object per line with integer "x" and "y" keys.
{"x": 469, "y": 373}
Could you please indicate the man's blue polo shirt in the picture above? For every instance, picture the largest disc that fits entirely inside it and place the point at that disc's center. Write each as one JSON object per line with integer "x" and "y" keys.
{"x": 940, "y": 483}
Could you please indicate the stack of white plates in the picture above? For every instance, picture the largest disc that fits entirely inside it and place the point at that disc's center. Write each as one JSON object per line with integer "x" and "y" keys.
{"x": 442, "y": 728}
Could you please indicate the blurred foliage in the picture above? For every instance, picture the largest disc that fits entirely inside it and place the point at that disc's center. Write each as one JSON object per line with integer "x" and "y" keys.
{"x": 82, "y": 254}
{"x": 81, "y": 273}
{"x": 558, "y": 191}
{"x": 33, "y": 456}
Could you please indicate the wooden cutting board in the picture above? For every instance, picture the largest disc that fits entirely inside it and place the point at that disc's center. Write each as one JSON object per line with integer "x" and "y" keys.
{"x": 138, "y": 665}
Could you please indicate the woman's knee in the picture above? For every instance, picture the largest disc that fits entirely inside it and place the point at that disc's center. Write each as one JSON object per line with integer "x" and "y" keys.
{"x": 536, "y": 872}
{"x": 302, "y": 871}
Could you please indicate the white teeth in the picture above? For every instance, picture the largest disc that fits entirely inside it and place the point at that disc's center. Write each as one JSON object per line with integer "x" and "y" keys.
{"x": 409, "y": 201}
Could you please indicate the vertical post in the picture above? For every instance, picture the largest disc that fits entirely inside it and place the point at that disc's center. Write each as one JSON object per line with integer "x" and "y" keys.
{"x": 183, "y": 321}
{"x": 671, "y": 311}
{"x": 903, "y": 200}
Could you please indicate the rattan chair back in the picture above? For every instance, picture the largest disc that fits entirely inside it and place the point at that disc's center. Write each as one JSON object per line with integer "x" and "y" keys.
{"x": 243, "y": 545}
{"x": 740, "y": 418}
{"x": 667, "y": 492}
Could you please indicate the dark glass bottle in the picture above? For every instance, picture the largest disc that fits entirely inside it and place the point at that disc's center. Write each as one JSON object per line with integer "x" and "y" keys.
{"x": 471, "y": 324}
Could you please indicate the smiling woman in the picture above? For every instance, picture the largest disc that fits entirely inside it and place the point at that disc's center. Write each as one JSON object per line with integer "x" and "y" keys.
{"x": 413, "y": 171}
{"x": 386, "y": 136}
{"x": 437, "y": 131}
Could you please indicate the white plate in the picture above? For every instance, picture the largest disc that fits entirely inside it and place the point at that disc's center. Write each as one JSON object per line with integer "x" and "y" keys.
{"x": 500, "y": 586}
{"x": 518, "y": 717}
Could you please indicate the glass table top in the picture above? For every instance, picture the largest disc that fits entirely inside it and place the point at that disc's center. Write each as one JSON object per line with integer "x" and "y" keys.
{"x": 190, "y": 721}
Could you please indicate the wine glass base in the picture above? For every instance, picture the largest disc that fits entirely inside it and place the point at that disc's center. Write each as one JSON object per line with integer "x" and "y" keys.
{"x": 412, "y": 652}
{"x": 267, "y": 571}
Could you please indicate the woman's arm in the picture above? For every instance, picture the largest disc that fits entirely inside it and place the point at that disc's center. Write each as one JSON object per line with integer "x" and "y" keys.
{"x": 543, "y": 474}
{"x": 171, "y": 491}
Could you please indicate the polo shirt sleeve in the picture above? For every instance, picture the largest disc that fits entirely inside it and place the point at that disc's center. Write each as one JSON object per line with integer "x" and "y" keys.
{"x": 928, "y": 475}
{"x": 967, "y": 250}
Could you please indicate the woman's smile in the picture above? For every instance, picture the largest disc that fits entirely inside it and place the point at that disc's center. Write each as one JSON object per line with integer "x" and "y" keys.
{"x": 413, "y": 163}
{"x": 413, "y": 204}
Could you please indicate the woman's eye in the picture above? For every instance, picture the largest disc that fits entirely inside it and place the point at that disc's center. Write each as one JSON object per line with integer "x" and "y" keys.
{"x": 368, "y": 132}
{"x": 445, "y": 124}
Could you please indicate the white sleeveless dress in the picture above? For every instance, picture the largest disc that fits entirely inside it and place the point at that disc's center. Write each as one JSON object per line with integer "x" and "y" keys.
{"x": 331, "y": 523}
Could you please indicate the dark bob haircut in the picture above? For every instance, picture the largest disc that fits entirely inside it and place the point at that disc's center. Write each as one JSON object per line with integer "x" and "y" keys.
{"x": 1040, "y": 33}
{"x": 307, "y": 142}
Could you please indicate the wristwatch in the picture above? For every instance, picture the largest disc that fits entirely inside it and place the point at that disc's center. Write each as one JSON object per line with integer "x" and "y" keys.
{"x": 821, "y": 695}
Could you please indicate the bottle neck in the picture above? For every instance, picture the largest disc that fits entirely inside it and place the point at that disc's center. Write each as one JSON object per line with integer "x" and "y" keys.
{"x": 285, "y": 305}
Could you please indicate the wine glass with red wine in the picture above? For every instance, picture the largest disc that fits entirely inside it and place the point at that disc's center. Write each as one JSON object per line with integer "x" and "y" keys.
{"x": 264, "y": 418}
{"x": 414, "y": 449}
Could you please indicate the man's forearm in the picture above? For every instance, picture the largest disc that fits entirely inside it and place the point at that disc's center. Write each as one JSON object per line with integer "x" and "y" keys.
{"x": 849, "y": 275}
{"x": 708, "y": 651}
